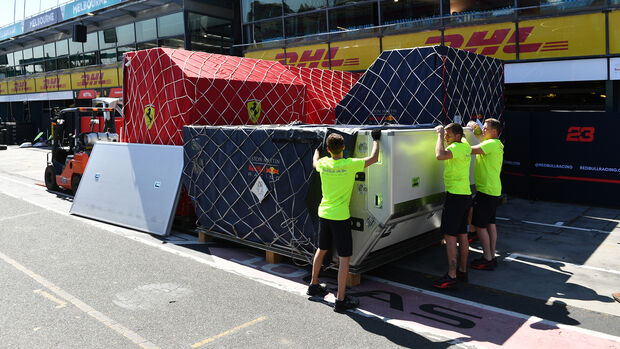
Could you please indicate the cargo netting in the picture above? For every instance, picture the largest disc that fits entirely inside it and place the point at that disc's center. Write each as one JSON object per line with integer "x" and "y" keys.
{"x": 435, "y": 84}
{"x": 254, "y": 184}
{"x": 166, "y": 89}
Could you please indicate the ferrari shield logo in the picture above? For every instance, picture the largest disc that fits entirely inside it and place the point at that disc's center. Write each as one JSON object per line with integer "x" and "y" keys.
{"x": 254, "y": 110}
{"x": 149, "y": 115}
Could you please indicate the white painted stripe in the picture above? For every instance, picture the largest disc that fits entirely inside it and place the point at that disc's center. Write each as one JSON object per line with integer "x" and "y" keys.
{"x": 515, "y": 256}
{"x": 19, "y": 216}
{"x": 108, "y": 322}
{"x": 190, "y": 243}
{"x": 60, "y": 302}
{"x": 226, "y": 333}
{"x": 556, "y": 225}
{"x": 604, "y": 219}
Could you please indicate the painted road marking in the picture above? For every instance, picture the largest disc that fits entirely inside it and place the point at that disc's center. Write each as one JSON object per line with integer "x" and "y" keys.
{"x": 556, "y": 225}
{"x": 19, "y": 216}
{"x": 60, "y": 302}
{"x": 515, "y": 256}
{"x": 225, "y": 333}
{"x": 122, "y": 330}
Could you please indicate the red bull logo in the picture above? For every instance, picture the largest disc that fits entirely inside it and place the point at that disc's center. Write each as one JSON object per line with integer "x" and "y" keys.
{"x": 506, "y": 38}
{"x": 316, "y": 58}
{"x": 263, "y": 169}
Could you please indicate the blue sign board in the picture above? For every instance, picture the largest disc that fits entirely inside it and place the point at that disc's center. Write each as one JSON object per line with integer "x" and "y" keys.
{"x": 12, "y": 30}
{"x": 43, "y": 20}
{"x": 71, "y": 10}
{"x": 82, "y": 7}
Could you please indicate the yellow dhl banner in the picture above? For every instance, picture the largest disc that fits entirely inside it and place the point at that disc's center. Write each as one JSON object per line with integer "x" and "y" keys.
{"x": 64, "y": 82}
{"x": 21, "y": 86}
{"x": 614, "y": 32}
{"x": 269, "y": 55}
{"x": 569, "y": 36}
{"x": 393, "y": 42}
{"x": 4, "y": 88}
{"x": 84, "y": 80}
{"x": 46, "y": 83}
{"x": 109, "y": 77}
{"x": 344, "y": 55}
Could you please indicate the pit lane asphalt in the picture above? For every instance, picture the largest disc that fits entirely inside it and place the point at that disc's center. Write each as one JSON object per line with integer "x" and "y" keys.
{"x": 172, "y": 301}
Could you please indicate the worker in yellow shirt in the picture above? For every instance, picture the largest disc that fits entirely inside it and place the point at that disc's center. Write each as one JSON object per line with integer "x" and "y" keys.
{"x": 337, "y": 180}
{"x": 489, "y": 159}
{"x": 457, "y": 157}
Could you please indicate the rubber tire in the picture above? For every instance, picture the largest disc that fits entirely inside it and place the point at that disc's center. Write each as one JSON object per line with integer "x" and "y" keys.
{"x": 75, "y": 182}
{"x": 50, "y": 178}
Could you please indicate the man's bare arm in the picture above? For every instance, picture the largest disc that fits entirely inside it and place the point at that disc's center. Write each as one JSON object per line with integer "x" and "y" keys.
{"x": 315, "y": 158}
{"x": 477, "y": 150}
{"x": 440, "y": 152}
{"x": 374, "y": 155}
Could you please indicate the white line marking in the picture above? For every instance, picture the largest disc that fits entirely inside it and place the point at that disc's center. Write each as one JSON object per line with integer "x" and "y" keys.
{"x": 122, "y": 330}
{"x": 556, "y": 225}
{"x": 60, "y": 302}
{"x": 190, "y": 243}
{"x": 18, "y": 216}
{"x": 225, "y": 333}
{"x": 515, "y": 256}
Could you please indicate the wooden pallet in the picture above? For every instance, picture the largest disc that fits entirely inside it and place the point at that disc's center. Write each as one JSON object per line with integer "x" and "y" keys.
{"x": 275, "y": 258}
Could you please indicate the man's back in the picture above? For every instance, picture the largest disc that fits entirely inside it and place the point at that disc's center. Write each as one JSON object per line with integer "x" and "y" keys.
{"x": 337, "y": 179}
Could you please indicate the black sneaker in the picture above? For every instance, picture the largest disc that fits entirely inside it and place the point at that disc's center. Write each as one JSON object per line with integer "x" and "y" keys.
{"x": 445, "y": 282}
{"x": 347, "y": 303}
{"x": 461, "y": 276}
{"x": 317, "y": 290}
{"x": 483, "y": 264}
{"x": 494, "y": 260}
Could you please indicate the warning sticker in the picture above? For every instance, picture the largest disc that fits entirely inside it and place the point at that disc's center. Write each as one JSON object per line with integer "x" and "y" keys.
{"x": 260, "y": 189}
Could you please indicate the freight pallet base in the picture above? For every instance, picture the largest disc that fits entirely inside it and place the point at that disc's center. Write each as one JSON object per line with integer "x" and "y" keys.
{"x": 271, "y": 257}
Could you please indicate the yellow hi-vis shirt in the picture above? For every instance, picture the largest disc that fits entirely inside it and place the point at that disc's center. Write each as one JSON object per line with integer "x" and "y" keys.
{"x": 488, "y": 167}
{"x": 456, "y": 171}
{"x": 337, "y": 179}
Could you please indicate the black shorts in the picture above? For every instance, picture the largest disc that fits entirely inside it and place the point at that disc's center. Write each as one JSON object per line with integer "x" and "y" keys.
{"x": 455, "y": 212}
{"x": 484, "y": 209}
{"x": 337, "y": 231}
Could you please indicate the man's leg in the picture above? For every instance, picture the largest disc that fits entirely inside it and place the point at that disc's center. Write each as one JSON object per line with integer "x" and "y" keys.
{"x": 463, "y": 252}
{"x": 343, "y": 272}
{"x": 451, "y": 251}
{"x": 316, "y": 265}
{"x": 483, "y": 236}
{"x": 492, "y": 228}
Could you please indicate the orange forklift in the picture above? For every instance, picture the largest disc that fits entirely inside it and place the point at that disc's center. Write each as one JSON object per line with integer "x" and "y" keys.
{"x": 67, "y": 161}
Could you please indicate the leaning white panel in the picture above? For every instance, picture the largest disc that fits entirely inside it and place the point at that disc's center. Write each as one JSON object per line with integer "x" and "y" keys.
{"x": 131, "y": 185}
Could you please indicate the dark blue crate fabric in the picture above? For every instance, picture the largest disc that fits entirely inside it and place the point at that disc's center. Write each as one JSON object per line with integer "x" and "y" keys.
{"x": 425, "y": 85}
{"x": 222, "y": 163}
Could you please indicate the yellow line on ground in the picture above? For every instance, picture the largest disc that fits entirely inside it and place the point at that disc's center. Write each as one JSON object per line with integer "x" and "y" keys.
{"x": 61, "y": 303}
{"x": 122, "y": 330}
{"x": 208, "y": 340}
